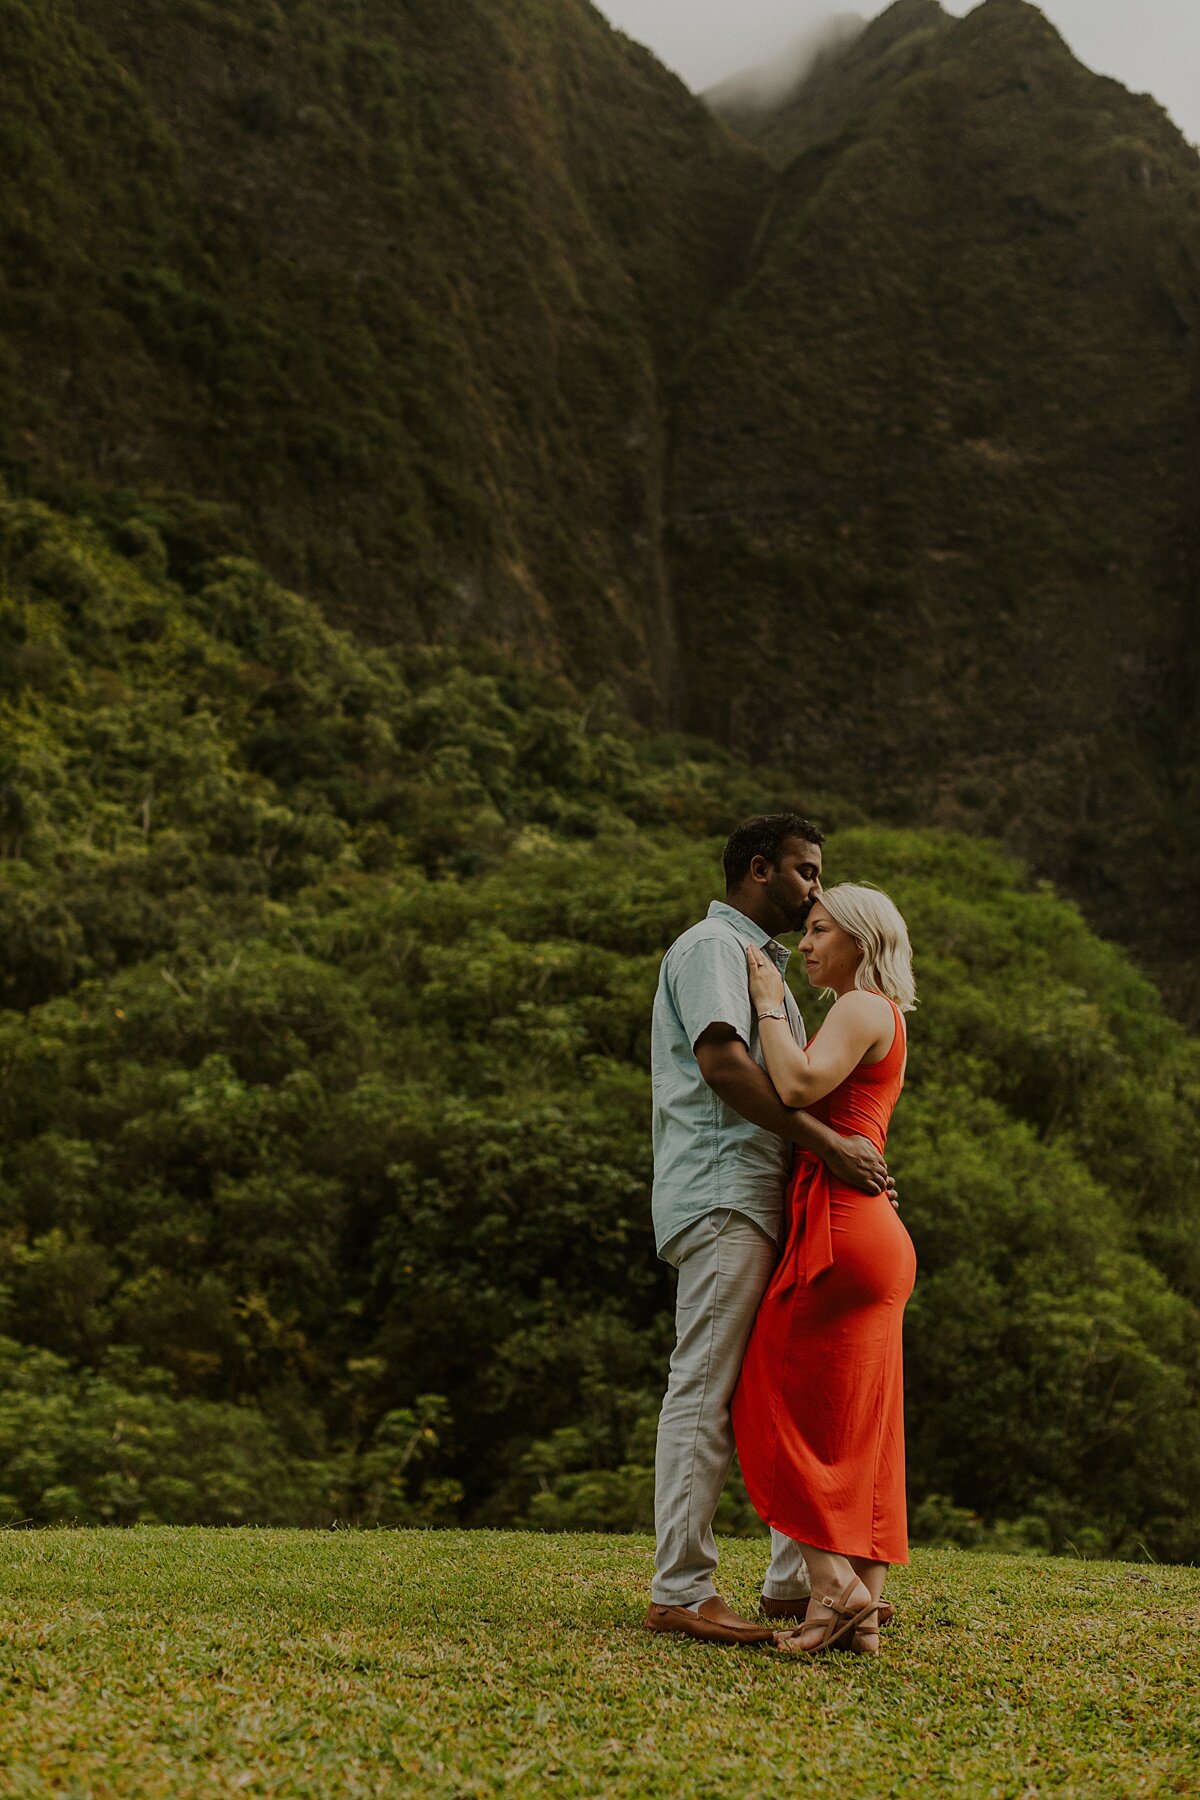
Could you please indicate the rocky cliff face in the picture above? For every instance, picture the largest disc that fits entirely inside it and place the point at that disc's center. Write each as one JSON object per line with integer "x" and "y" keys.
{"x": 868, "y": 445}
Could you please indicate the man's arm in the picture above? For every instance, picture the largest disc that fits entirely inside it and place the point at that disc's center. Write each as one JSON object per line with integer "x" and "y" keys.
{"x": 732, "y": 1073}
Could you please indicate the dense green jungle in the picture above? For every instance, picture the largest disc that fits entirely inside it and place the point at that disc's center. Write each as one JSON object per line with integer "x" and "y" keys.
{"x": 323, "y": 1079}
{"x": 449, "y": 475}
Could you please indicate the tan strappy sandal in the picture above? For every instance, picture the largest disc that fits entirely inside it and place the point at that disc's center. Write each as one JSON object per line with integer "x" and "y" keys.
{"x": 844, "y": 1623}
{"x": 858, "y": 1643}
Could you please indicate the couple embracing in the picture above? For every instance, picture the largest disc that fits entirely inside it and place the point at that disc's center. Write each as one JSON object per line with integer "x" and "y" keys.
{"x": 773, "y": 1201}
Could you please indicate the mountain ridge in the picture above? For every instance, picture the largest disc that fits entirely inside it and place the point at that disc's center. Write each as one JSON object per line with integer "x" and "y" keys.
{"x": 978, "y": 447}
{"x": 368, "y": 329}
{"x": 476, "y": 326}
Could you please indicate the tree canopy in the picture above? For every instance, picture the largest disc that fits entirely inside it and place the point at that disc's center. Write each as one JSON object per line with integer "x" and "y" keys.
{"x": 324, "y": 1101}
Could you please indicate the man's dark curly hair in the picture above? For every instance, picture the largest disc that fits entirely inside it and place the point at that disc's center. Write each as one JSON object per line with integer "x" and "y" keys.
{"x": 763, "y": 836}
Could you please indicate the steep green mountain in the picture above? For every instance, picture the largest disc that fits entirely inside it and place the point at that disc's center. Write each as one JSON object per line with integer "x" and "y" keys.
{"x": 389, "y": 290}
{"x": 933, "y": 509}
{"x": 473, "y": 325}
{"x": 325, "y": 980}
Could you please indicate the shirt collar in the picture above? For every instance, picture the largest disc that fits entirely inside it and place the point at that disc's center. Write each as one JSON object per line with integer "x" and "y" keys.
{"x": 746, "y": 928}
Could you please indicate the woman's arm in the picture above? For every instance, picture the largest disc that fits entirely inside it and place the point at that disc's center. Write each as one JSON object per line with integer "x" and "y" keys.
{"x": 732, "y": 1073}
{"x": 856, "y": 1024}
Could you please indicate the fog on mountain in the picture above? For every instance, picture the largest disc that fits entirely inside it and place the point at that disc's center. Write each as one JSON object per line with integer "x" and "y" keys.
{"x": 765, "y": 84}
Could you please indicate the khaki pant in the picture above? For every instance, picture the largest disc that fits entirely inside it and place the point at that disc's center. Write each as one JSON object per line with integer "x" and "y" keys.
{"x": 724, "y": 1261}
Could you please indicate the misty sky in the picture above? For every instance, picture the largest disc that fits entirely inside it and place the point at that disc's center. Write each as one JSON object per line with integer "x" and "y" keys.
{"x": 1152, "y": 46}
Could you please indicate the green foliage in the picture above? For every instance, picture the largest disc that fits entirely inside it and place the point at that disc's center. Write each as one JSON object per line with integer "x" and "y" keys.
{"x": 324, "y": 1096}
{"x": 112, "y": 1446}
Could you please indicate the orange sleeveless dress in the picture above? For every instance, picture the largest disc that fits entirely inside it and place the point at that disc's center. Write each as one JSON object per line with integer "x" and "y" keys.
{"x": 818, "y": 1413}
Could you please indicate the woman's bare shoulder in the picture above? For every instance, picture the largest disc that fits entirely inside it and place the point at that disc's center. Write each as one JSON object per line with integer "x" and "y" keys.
{"x": 860, "y": 1005}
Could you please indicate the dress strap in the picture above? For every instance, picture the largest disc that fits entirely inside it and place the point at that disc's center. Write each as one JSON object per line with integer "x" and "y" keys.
{"x": 900, "y": 1041}
{"x": 881, "y": 1070}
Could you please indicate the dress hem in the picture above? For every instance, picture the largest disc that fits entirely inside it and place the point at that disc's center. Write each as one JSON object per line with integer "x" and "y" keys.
{"x": 830, "y": 1549}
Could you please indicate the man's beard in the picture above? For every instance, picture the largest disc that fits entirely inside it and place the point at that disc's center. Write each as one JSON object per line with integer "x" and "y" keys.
{"x": 795, "y": 916}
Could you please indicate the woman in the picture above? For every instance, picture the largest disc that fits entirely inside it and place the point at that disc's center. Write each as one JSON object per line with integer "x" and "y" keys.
{"x": 819, "y": 1410}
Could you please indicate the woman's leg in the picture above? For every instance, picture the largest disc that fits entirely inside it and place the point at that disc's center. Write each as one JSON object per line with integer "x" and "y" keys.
{"x": 872, "y": 1575}
{"x": 834, "y": 1578}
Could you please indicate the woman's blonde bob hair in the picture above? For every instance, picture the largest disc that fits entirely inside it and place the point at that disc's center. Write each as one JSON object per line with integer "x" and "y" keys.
{"x": 875, "y": 924}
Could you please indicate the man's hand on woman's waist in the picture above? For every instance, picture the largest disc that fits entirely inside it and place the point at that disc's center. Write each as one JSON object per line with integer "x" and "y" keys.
{"x": 732, "y": 1073}
{"x": 852, "y": 1160}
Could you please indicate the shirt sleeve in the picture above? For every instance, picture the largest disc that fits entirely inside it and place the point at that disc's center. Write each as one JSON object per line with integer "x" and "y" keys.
{"x": 710, "y": 985}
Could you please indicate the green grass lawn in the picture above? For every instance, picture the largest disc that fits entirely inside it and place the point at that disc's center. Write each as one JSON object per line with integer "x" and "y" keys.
{"x": 166, "y": 1662}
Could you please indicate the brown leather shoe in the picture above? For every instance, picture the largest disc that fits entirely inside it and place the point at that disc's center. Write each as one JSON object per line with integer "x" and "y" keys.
{"x": 715, "y": 1622}
{"x": 791, "y": 1610}
{"x": 795, "y": 1610}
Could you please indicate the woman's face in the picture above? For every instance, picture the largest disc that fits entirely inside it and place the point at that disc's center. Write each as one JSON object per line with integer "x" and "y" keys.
{"x": 831, "y": 955}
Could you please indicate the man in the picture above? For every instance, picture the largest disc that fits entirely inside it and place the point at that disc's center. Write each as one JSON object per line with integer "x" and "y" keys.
{"x": 722, "y": 1154}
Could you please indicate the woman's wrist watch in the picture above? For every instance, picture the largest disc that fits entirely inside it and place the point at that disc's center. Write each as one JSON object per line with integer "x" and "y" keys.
{"x": 773, "y": 1012}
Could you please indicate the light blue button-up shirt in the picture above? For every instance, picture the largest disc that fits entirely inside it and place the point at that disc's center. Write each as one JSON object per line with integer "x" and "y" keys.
{"x": 705, "y": 1154}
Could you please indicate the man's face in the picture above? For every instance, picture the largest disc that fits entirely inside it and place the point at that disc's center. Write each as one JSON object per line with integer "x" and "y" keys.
{"x": 794, "y": 883}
